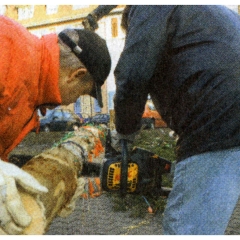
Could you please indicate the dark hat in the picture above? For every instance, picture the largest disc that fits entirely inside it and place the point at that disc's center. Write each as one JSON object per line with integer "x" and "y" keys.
{"x": 92, "y": 51}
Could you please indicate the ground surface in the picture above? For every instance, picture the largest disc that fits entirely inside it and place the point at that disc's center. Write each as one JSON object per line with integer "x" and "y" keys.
{"x": 96, "y": 217}
{"x": 105, "y": 214}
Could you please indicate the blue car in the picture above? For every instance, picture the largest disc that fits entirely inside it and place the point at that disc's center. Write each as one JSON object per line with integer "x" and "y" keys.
{"x": 100, "y": 119}
{"x": 60, "y": 120}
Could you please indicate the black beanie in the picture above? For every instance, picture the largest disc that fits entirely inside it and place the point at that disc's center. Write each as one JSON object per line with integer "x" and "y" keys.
{"x": 95, "y": 55}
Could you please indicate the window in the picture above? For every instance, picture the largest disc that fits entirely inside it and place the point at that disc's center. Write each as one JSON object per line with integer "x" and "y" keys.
{"x": 75, "y": 7}
{"x": 57, "y": 115}
{"x": 97, "y": 108}
{"x": 114, "y": 24}
{"x": 66, "y": 114}
{"x": 25, "y": 12}
{"x": 51, "y": 9}
{"x": 2, "y": 9}
{"x": 77, "y": 106}
{"x": 110, "y": 99}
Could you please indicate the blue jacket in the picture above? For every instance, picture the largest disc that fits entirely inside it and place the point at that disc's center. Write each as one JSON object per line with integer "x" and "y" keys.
{"x": 188, "y": 59}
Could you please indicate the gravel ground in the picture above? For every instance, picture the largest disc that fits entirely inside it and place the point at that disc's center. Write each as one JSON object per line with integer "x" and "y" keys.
{"x": 95, "y": 216}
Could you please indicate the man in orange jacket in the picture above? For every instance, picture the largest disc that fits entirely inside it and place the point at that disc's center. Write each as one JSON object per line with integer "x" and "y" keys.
{"x": 35, "y": 74}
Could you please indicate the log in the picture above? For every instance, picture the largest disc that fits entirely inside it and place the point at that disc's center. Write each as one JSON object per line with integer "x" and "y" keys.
{"x": 59, "y": 169}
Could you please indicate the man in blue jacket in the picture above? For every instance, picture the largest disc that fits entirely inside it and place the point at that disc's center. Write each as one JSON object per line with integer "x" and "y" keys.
{"x": 188, "y": 59}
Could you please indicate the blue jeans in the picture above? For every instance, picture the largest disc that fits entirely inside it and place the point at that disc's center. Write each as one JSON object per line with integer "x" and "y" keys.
{"x": 206, "y": 188}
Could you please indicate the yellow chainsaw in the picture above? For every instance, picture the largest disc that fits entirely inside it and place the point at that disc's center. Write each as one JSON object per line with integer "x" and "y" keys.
{"x": 139, "y": 171}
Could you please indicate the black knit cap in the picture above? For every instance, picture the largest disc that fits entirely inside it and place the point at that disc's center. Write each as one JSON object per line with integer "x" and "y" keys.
{"x": 94, "y": 55}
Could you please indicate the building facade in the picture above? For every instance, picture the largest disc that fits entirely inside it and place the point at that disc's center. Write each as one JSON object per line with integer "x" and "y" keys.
{"x": 45, "y": 19}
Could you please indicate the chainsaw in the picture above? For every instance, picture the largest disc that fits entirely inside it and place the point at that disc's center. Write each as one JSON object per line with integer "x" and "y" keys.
{"x": 139, "y": 171}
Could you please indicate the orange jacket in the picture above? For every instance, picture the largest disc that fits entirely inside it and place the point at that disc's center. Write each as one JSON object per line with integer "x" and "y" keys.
{"x": 29, "y": 71}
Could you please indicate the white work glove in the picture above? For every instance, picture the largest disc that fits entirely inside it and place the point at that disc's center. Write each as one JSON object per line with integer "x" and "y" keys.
{"x": 13, "y": 216}
{"x": 116, "y": 137}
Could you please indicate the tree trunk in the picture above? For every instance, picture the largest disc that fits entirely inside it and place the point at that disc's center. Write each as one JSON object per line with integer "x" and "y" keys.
{"x": 59, "y": 169}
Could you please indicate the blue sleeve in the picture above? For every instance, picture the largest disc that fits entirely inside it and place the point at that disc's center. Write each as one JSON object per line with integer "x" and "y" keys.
{"x": 145, "y": 42}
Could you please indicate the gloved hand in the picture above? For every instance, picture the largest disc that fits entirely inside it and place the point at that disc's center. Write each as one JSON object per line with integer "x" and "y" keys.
{"x": 116, "y": 137}
{"x": 13, "y": 216}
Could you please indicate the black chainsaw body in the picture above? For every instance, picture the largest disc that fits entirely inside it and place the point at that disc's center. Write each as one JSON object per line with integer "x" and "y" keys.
{"x": 144, "y": 173}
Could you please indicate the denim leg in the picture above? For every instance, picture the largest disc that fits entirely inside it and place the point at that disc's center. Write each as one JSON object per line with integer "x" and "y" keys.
{"x": 206, "y": 188}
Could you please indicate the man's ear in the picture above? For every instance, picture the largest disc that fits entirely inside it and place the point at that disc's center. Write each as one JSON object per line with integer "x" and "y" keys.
{"x": 77, "y": 75}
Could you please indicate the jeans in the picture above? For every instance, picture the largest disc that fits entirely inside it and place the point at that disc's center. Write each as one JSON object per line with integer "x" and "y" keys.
{"x": 206, "y": 188}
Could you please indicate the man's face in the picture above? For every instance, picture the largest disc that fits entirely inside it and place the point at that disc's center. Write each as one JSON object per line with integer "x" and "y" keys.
{"x": 74, "y": 85}
{"x": 86, "y": 85}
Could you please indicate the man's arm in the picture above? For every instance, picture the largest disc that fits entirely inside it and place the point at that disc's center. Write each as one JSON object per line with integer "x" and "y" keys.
{"x": 145, "y": 43}
{"x": 92, "y": 18}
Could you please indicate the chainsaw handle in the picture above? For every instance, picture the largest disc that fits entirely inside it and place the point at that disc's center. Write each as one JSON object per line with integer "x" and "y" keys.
{"x": 124, "y": 167}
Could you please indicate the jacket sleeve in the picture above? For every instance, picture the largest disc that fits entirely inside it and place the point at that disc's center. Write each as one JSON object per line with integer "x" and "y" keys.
{"x": 145, "y": 42}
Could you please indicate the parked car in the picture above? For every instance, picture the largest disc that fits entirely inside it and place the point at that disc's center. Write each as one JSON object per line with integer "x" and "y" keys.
{"x": 82, "y": 120}
{"x": 100, "y": 119}
{"x": 151, "y": 118}
{"x": 59, "y": 120}
{"x": 86, "y": 118}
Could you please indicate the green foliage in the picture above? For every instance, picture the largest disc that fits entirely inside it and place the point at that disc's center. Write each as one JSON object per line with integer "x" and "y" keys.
{"x": 157, "y": 141}
{"x": 64, "y": 138}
